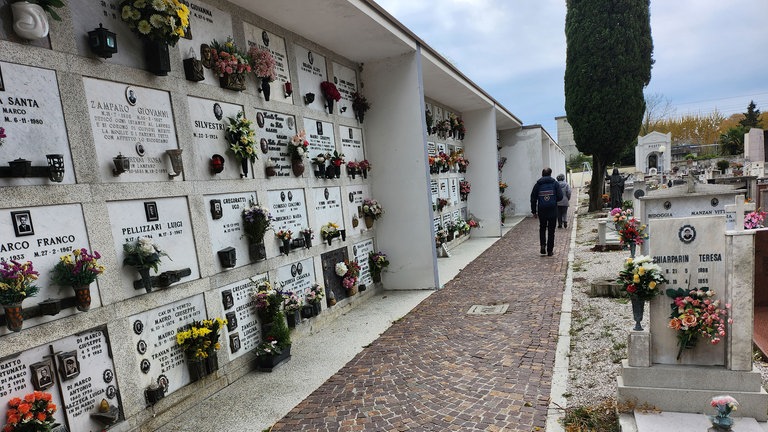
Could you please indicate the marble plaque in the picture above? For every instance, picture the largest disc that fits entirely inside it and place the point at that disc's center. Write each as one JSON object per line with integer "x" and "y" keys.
{"x": 436, "y": 224}
{"x": 88, "y": 14}
{"x": 353, "y": 209}
{"x": 454, "y": 184}
{"x": 326, "y": 203}
{"x": 166, "y": 221}
{"x": 431, "y": 148}
{"x": 276, "y": 45}
{"x": 243, "y": 330}
{"x": 31, "y": 114}
{"x": 135, "y": 122}
{"x": 37, "y": 234}
{"x": 434, "y": 190}
{"x": 442, "y": 148}
{"x": 320, "y": 136}
{"x": 225, "y": 223}
{"x": 158, "y": 358}
{"x": 206, "y": 23}
{"x": 289, "y": 210}
{"x": 360, "y": 252}
{"x": 274, "y": 131}
{"x": 683, "y": 206}
{"x": 692, "y": 255}
{"x": 209, "y": 127}
{"x": 312, "y": 71}
{"x": 444, "y": 190}
{"x": 463, "y": 212}
{"x": 297, "y": 277}
{"x": 446, "y": 218}
{"x": 77, "y": 371}
{"x": 352, "y": 143}
{"x": 456, "y": 215}
{"x": 346, "y": 82}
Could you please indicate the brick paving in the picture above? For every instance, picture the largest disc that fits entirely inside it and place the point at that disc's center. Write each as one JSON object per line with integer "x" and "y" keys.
{"x": 439, "y": 369}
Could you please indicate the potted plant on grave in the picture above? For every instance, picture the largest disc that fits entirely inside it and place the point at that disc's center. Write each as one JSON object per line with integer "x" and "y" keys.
{"x": 292, "y": 305}
{"x": 348, "y": 271}
{"x": 464, "y": 189}
{"x": 640, "y": 279}
{"x": 689, "y": 309}
{"x": 297, "y": 149}
{"x": 16, "y": 284}
{"x": 285, "y": 237}
{"x": 143, "y": 254}
{"x": 360, "y": 106}
{"x": 329, "y": 232}
{"x": 32, "y": 413}
{"x": 158, "y": 23}
{"x": 78, "y": 270}
{"x": 256, "y": 221}
{"x": 276, "y": 338}
{"x": 331, "y": 94}
{"x": 337, "y": 160}
{"x": 230, "y": 64}
{"x": 242, "y": 141}
{"x": 319, "y": 163}
{"x": 268, "y": 301}
{"x": 372, "y": 210}
{"x": 364, "y": 166}
{"x": 263, "y": 66}
{"x": 308, "y": 235}
{"x": 377, "y": 263}
{"x": 312, "y": 299}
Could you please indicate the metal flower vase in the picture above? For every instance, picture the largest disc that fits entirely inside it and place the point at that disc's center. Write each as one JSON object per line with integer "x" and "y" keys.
{"x": 14, "y": 319}
{"x": 638, "y": 308}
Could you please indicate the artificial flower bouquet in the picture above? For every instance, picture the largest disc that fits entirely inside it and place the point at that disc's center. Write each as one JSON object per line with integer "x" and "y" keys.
{"x": 632, "y": 232}
{"x": 641, "y": 277}
{"x": 262, "y": 63}
{"x": 360, "y": 105}
{"x": 268, "y": 347}
{"x": 502, "y": 186}
{"x": 242, "y": 137}
{"x": 620, "y": 217}
{"x": 200, "y": 339}
{"x": 330, "y": 92}
{"x": 364, "y": 165}
{"x": 268, "y": 299}
{"x": 33, "y": 413}
{"x": 724, "y": 405}
{"x": 16, "y": 281}
{"x": 228, "y": 59}
{"x": 158, "y": 20}
{"x": 696, "y": 313}
{"x": 143, "y": 254}
{"x": 464, "y": 189}
{"x": 329, "y": 231}
{"x": 377, "y": 263}
{"x": 284, "y": 234}
{"x": 337, "y": 159}
{"x": 80, "y": 268}
{"x": 298, "y": 146}
{"x": 292, "y": 302}
{"x": 256, "y": 221}
{"x": 754, "y": 220}
{"x": 348, "y": 271}
{"x": 372, "y": 208}
{"x": 441, "y": 204}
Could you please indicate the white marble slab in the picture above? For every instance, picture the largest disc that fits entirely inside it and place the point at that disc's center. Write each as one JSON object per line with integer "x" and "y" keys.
{"x": 206, "y": 23}
{"x": 346, "y": 82}
{"x": 326, "y": 204}
{"x": 312, "y": 71}
{"x": 243, "y": 331}
{"x": 276, "y": 45}
{"x": 209, "y": 126}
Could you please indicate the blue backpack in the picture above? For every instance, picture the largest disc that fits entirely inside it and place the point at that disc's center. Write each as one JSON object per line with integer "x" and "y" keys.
{"x": 547, "y": 195}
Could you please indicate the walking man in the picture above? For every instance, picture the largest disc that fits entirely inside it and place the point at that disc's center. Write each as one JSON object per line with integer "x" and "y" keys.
{"x": 544, "y": 197}
{"x": 562, "y": 205}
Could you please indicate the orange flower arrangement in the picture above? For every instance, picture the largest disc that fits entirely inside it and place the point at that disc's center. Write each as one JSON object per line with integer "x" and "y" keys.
{"x": 33, "y": 413}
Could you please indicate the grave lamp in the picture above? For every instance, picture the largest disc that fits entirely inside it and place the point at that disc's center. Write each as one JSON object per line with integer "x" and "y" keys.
{"x": 122, "y": 164}
{"x": 288, "y": 89}
{"x": 154, "y": 393}
{"x": 227, "y": 257}
{"x": 309, "y": 98}
{"x": 102, "y": 42}
{"x": 177, "y": 166}
{"x": 217, "y": 164}
{"x": 23, "y": 168}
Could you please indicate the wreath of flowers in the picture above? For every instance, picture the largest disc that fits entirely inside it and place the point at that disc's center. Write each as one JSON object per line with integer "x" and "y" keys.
{"x": 696, "y": 313}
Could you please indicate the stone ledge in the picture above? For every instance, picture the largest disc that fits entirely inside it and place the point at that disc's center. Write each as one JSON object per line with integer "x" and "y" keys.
{"x": 673, "y": 376}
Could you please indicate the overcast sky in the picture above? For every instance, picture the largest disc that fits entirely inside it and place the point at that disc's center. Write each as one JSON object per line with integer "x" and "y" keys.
{"x": 710, "y": 54}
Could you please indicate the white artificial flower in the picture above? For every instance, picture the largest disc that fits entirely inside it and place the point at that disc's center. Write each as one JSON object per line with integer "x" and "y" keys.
{"x": 341, "y": 269}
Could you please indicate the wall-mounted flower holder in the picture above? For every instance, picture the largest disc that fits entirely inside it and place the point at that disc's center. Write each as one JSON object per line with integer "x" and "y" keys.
{"x": 297, "y": 243}
{"x": 29, "y": 20}
{"x": 122, "y": 164}
{"x": 285, "y": 247}
{"x": 164, "y": 279}
{"x": 343, "y": 234}
{"x": 102, "y": 42}
{"x": 227, "y": 257}
{"x": 47, "y": 307}
{"x": 309, "y": 98}
{"x": 50, "y": 307}
{"x": 217, "y": 164}
{"x": 153, "y": 394}
{"x": 107, "y": 414}
{"x": 22, "y": 168}
{"x": 287, "y": 89}
{"x": 177, "y": 166}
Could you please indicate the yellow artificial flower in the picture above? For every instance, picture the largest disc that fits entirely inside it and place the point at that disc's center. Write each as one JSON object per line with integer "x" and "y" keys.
{"x": 636, "y": 279}
{"x": 641, "y": 271}
{"x": 652, "y": 285}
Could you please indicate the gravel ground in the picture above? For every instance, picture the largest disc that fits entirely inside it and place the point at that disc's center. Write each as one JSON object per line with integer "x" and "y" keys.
{"x": 600, "y": 326}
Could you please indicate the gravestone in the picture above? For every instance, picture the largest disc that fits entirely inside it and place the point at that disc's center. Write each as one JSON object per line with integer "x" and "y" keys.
{"x": 331, "y": 280}
{"x": 276, "y": 46}
{"x": 296, "y": 277}
{"x": 693, "y": 252}
{"x": 243, "y": 331}
{"x": 346, "y": 82}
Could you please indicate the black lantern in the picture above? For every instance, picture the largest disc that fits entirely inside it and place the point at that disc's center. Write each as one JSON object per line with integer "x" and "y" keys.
{"x": 103, "y": 42}
{"x": 55, "y": 167}
{"x": 122, "y": 164}
{"x": 153, "y": 394}
{"x": 309, "y": 98}
{"x": 228, "y": 257}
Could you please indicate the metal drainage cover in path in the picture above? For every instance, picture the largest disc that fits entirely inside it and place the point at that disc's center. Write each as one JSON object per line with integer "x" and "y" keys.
{"x": 488, "y": 310}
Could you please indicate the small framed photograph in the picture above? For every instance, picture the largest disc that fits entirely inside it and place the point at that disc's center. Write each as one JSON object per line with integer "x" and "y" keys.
{"x": 69, "y": 365}
{"x": 22, "y": 223}
{"x": 42, "y": 375}
{"x": 150, "y": 209}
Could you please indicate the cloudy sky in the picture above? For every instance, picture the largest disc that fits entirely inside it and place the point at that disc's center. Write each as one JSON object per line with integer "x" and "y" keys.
{"x": 710, "y": 54}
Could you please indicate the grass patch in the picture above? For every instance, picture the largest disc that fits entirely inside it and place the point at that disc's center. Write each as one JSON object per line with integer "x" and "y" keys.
{"x": 601, "y": 417}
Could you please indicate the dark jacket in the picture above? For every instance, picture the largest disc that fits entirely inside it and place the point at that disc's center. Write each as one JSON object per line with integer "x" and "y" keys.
{"x": 535, "y": 196}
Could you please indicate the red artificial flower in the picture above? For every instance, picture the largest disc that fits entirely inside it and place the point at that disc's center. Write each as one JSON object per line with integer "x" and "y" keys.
{"x": 631, "y": 289}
